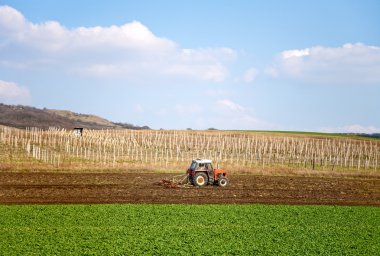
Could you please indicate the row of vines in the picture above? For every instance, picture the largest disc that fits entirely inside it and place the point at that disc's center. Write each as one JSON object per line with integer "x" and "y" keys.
{"x": 173, "y": 149}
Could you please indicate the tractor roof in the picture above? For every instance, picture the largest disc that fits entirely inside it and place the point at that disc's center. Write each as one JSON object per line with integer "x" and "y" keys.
{"x": 202, "y": 161}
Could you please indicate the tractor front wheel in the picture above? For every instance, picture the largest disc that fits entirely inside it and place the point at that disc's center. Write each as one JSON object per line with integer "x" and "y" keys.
{"x": 200, "y": 179}
{"x": 222, "y": 182}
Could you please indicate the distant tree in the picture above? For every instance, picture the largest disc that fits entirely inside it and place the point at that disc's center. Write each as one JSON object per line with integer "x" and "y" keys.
{"x": 145, "y": 127}
{"x": 132, "y": 127}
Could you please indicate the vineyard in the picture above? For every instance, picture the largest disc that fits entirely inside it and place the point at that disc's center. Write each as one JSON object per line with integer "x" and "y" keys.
{"x": 172, "y": 150}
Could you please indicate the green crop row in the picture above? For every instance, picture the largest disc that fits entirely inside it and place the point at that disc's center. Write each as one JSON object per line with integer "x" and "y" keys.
{"x": 188, "y": 229}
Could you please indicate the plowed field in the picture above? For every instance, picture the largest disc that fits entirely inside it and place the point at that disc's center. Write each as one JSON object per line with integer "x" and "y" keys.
{"x": 95, "y": 188}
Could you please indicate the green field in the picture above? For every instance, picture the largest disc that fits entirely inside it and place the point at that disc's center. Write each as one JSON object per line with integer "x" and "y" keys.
{"x": 188, "y": 229}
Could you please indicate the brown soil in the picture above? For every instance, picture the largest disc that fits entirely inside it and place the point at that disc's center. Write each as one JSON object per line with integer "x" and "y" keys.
{"x": 87, "y": 188}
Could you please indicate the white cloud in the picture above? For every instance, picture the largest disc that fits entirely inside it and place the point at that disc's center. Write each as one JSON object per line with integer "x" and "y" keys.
{"x": 231, "y": 115}
{"x": 213, "y": 72}
{"x": 355, "y": 128}
{"x": 12, "y": 93}
{"x": 52, "y": 36}
{"x": 250, "y": 75}
{"x": 230, "y": 105}
{"x": 127, "y": 50}
{"x": 295, "y": 53}
{"x": 220, "y": 114}
{"x": 350, "y": 64}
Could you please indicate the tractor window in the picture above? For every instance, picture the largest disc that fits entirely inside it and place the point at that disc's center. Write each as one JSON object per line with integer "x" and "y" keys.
{"x": 208, "y": 166}
{"x": 193, "y": 166}
{"x": 202, "y": 166}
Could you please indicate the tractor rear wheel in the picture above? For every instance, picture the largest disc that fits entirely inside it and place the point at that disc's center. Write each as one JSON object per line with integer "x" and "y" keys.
{"x": 222, "y": 182}
{"x": 200, "y": 179}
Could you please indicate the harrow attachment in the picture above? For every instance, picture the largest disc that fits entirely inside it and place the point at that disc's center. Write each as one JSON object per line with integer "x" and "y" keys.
{"x": 177, "y": 181}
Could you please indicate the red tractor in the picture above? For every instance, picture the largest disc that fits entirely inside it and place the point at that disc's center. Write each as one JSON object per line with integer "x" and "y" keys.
{"x": 201, "y": 173}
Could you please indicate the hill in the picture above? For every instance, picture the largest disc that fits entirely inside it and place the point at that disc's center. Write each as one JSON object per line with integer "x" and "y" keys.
{"x": 25, "y": 116}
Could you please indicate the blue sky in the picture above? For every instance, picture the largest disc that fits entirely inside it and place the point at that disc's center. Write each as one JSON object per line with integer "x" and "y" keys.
{"x": 272, "y": 65}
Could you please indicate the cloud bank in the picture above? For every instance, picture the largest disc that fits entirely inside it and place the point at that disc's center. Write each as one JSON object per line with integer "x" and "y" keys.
{"x": 353, "y": 64}
{"x": 12, "y": 93}
{"x": 355, "y": 128}
{"x": 127, "y": 50}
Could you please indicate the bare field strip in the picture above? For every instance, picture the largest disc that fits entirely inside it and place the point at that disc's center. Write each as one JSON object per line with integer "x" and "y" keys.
{"x": 95, "y": 188}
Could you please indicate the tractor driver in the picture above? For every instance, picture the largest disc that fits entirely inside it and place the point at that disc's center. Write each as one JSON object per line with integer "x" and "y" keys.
{"x": 210, "y": 171}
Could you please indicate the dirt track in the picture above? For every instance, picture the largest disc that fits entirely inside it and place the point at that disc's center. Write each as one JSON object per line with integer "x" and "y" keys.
{"x": 69, "y": 188}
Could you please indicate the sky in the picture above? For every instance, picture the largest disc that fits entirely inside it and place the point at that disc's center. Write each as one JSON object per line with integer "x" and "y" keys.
{"x": 251, "y": 65}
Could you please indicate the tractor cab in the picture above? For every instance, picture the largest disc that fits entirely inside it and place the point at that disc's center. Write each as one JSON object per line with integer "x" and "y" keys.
{"x": 201, "y": 173}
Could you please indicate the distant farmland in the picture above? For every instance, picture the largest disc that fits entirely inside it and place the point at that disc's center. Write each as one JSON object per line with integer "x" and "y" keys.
{"x": 49, "y": 167}
{"x": 172, "y": 150}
